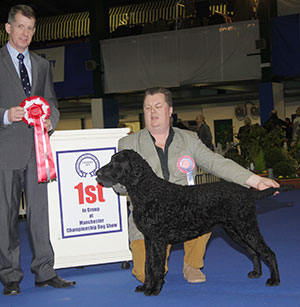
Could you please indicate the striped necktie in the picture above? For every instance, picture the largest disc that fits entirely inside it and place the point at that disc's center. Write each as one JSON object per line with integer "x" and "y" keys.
{"x": 24, "y": 75}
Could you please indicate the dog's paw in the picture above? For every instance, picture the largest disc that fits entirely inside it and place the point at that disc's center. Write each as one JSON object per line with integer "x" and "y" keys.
{"x": 272, "y": 282}
{"x": 147, "y": 292}
{"x": 151, "y": 292}
{"x": 140, "y": 288}
{"x": 254, "y": 274}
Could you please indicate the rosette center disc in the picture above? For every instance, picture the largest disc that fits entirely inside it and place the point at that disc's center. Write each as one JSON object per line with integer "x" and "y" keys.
{"x": 36, "y": 111}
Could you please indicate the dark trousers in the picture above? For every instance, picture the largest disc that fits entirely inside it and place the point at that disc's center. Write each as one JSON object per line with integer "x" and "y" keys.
{"x": 12, "y": 183}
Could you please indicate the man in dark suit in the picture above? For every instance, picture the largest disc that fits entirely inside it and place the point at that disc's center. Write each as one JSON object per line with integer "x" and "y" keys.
{"x": 274, "y": 122}
{"x": 18, "y": 168}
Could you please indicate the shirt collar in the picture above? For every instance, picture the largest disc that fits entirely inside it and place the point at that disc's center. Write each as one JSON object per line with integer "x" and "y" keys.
{"x": 14, "y": 53}
{"x": 169, "y": 139}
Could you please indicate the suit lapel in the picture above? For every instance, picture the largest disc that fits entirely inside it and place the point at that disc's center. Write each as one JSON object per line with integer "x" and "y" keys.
{"x": 174, "y": 149}
{"x": 11, "y": 70}
{"x": 148, "y": 151}
{"x": 175, "y": 145}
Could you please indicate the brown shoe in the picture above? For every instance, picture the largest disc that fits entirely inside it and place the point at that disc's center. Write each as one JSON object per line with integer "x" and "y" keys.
{"x": 193, "y": 275}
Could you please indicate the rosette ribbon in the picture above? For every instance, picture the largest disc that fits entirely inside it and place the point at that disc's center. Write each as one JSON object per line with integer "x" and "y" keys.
{"x": 37, "y": 110}
{"x": 186, "y": 164}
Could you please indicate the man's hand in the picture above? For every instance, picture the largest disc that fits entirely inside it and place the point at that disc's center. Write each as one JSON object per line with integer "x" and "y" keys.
{"x": 48, "y": 125}
{"x": 15, "y": 114}
{"x": 261, "y": 183}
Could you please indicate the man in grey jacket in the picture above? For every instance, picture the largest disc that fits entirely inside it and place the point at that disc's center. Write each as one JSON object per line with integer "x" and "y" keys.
{"x": 18, "y": 166}
{"x": 172, "y": 153}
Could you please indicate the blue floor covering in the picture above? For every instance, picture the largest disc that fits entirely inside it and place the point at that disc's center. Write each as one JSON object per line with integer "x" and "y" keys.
{"x": 226, "y": 267}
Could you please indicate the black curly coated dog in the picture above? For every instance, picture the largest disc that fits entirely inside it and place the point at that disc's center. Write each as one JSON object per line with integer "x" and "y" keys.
{"x": 168, "y": 213}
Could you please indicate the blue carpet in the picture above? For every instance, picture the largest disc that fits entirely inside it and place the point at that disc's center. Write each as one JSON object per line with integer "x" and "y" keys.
{"x": 226, "y": 267}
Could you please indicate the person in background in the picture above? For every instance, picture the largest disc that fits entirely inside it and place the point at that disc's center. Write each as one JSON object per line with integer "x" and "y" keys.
{"x": 163, "y": 147}
{"x": 274, "y": 122}
{"x": 244, "y": 130}
{"x": 18, "y": 166}
{"x": 203, "y": 132}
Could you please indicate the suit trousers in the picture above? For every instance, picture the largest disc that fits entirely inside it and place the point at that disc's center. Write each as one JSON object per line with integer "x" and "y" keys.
{"x": 12, "y": 183}
{"x": 194, "y": 251}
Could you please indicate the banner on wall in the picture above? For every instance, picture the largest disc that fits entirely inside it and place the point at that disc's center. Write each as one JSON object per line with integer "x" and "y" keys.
{"x": 86, "y": 207}
{"x": 216, "y": 53}
{"x": 56, "y": 57}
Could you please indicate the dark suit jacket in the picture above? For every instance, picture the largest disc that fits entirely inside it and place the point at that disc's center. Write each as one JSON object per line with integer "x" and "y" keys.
{"x": 17, "y": 139}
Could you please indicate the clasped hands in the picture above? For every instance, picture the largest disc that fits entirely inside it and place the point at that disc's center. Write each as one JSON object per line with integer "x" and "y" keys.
{"x": 15, "y": 114}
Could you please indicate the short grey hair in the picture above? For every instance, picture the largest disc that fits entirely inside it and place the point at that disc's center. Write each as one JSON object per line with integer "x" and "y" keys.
{"x": 25, "y": 10}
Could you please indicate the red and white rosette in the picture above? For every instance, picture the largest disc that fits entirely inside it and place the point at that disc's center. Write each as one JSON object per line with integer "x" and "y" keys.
{"x": 37, "y": 110}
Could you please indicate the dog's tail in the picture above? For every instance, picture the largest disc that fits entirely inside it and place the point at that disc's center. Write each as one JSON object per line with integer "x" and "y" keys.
{"x": 270, "y": 191}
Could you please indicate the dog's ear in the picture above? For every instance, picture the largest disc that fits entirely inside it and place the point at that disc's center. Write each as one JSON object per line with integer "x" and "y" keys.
{"x": 121, "y": 167}
{"x": 129, "y": 166}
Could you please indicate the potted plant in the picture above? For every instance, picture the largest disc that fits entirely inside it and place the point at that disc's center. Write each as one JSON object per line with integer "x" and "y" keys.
{"x": 265, "y": 151}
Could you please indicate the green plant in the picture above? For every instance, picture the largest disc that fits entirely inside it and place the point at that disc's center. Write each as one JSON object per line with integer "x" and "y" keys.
{"x": 233, "y": 154}
{"x": 273, "y": 156}
{"x": 282, "y": 162}
{"x": 285, "y": 169}
{"x": 266, "y": 150}
{"x": 295, "y": 151}
{"x": 273, "y": 139}
{"x": 251, "y": 144}
{"x": 259, "y": 162}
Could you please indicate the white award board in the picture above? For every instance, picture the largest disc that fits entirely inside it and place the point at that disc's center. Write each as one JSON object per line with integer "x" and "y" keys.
{"x": 88, "y": 223}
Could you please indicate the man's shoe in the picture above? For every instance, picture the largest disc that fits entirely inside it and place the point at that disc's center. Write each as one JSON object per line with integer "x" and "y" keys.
{"x": 55, "y": 282}
{"x": 193, "y": 275}
{"x": 12, "y": 288}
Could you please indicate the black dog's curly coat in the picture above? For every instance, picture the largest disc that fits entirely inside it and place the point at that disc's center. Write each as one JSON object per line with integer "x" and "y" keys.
{"x": 168, "y": 213}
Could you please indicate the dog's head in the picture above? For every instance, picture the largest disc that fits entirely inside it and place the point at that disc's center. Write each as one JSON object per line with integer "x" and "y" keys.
{"x": 125, "y": 167}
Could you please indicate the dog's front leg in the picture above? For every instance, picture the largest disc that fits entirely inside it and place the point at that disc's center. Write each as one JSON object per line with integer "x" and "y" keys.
{"x": 155, "y": 266}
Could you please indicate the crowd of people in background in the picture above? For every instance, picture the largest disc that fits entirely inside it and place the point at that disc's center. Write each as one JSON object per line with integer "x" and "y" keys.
{"x": 290, "y": 128}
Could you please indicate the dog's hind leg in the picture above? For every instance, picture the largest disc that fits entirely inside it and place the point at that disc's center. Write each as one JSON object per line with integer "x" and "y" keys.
{"x": 251, "y": 239}
{"x": 254, "y": 256}
{"x": 154, "y": 267}
{"x": 259, "y": 245}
